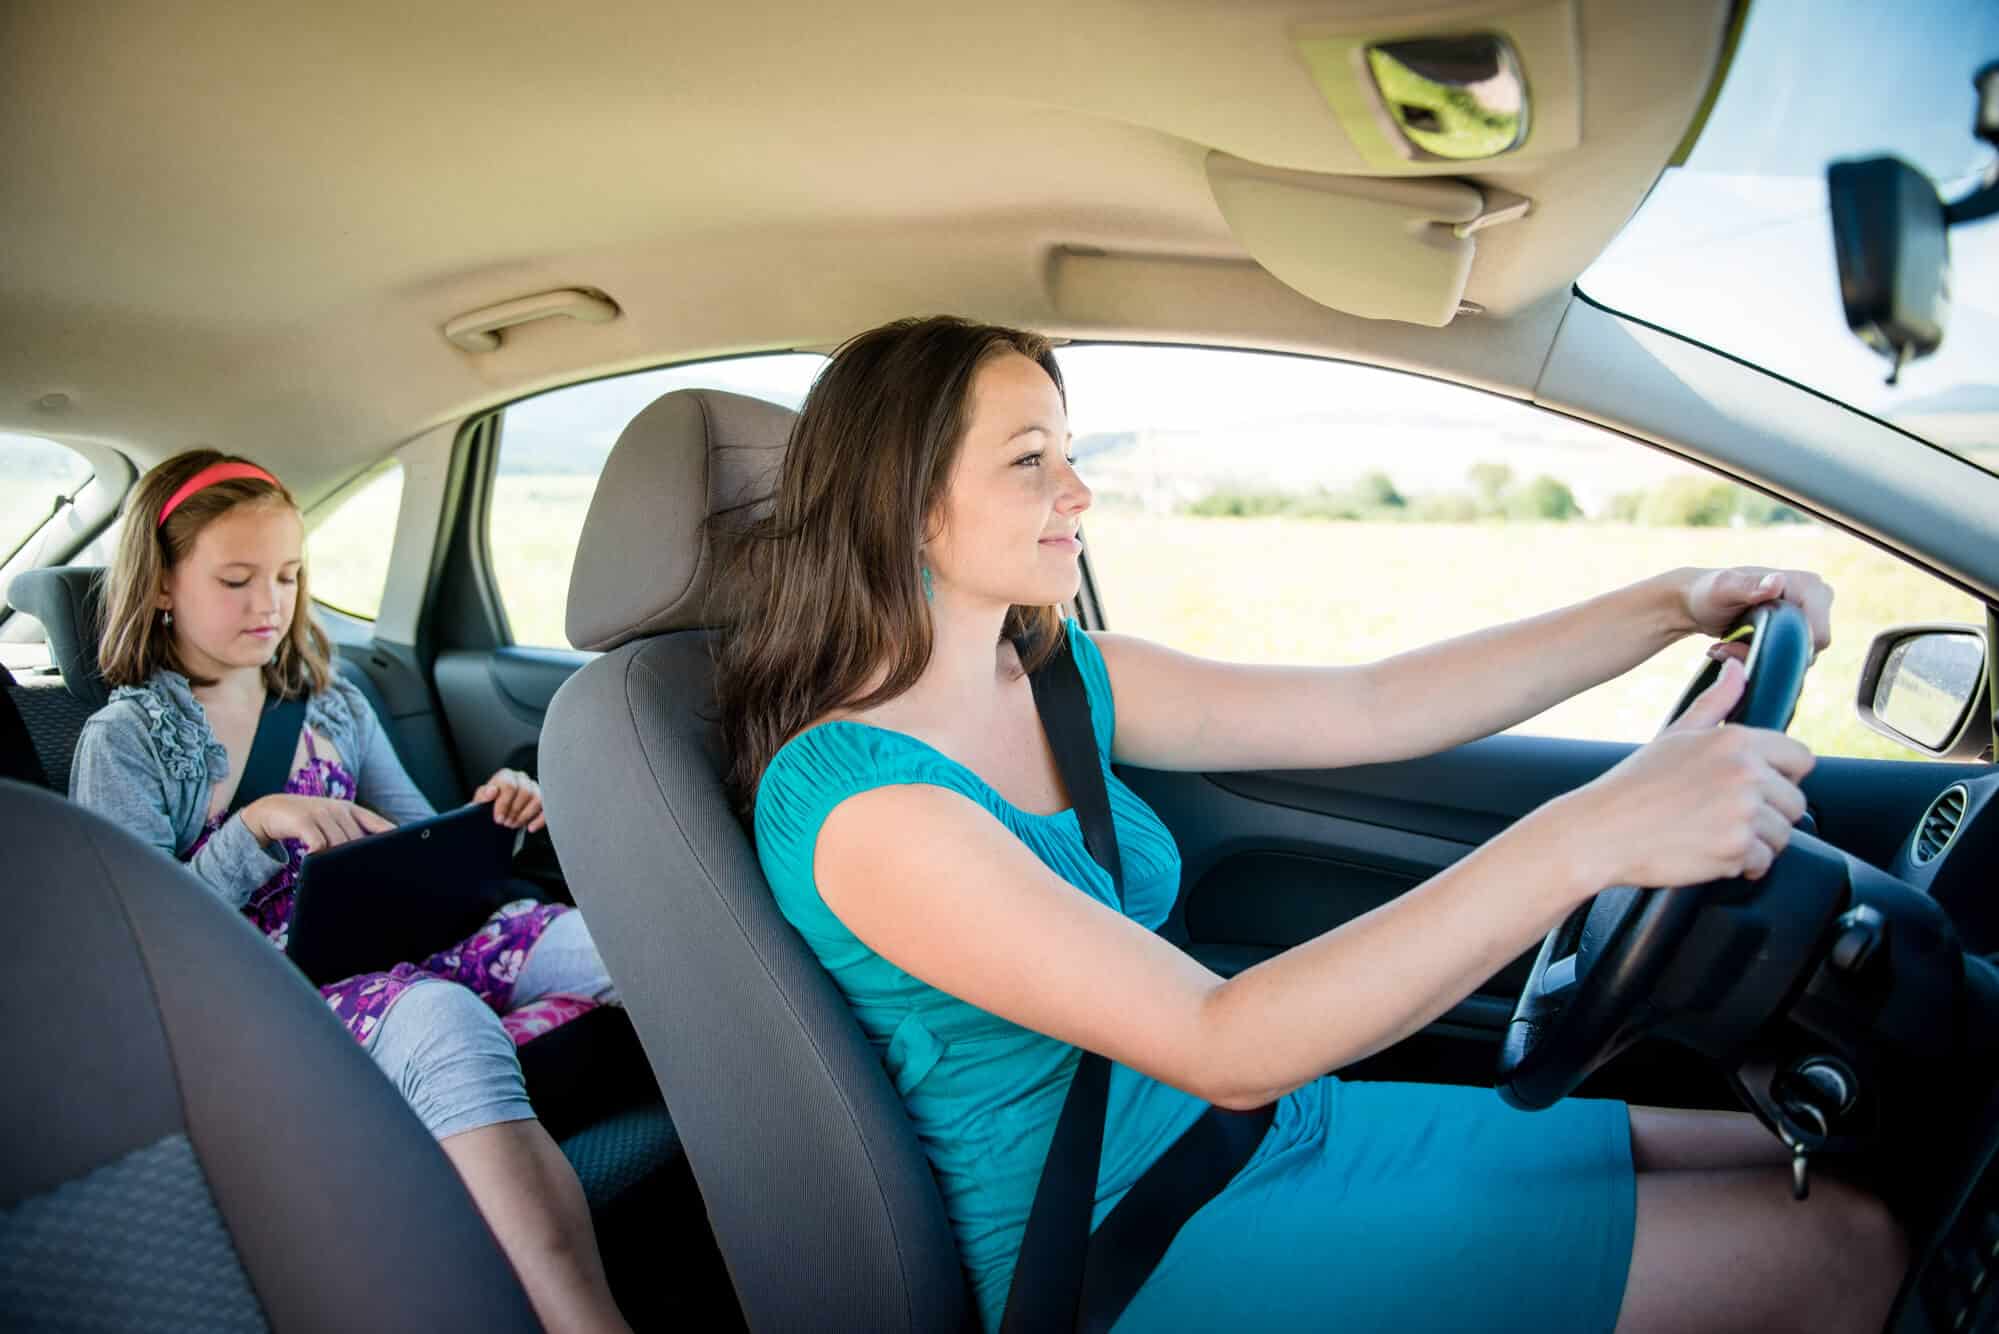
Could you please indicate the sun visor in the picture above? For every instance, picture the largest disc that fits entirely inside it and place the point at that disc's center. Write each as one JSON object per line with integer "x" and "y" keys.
{"x": 1383, "y": 249}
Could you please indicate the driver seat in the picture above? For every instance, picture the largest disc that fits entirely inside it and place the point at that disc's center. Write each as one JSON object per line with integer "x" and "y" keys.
{"x": 821, "y": 1199}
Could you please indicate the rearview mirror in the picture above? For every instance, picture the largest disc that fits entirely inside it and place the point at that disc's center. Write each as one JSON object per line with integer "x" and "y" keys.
{"x": 1889, "y": 236}
{"x": 1924, "y": 686}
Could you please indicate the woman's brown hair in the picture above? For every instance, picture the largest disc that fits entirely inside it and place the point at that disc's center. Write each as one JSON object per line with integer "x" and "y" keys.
{"x": 825, "y": 591}
{"x": 137, "y": 641}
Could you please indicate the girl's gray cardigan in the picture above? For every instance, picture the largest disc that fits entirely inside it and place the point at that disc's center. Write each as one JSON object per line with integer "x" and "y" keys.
{"x": 149, "y": 762}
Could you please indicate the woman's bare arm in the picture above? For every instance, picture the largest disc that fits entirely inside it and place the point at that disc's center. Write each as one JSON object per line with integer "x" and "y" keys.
{"x": 938, "y": 887}
{"x": 1177, "y": 711}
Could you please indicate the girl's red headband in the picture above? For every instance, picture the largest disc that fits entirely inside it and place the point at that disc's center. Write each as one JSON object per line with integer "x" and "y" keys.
{"x": 225, "y": 471}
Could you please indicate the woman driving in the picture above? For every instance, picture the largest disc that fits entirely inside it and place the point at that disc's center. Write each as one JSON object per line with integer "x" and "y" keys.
{"x": 915, "y": 829}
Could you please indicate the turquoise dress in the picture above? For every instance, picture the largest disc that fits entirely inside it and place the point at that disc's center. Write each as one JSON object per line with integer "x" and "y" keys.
{"x": 1368, "y": 1206}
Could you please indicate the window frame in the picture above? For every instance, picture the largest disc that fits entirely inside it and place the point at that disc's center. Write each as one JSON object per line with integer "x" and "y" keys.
{"x": 330, "y": 504}
{"x": 486, "y": 622}
{"x": 73, "y": 527}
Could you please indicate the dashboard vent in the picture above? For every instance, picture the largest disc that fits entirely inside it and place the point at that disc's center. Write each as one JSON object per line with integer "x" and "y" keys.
{"x": 1939, "y": 824}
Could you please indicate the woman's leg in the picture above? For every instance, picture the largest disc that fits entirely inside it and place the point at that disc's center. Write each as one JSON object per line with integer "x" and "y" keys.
{"x": 1731, "y": 1250}
{"x": 454, "y": 1064}
{"x": 1673, "y": 1139}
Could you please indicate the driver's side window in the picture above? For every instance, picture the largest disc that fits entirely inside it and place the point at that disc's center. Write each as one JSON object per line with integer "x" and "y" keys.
{"x": 1267, "y": 508}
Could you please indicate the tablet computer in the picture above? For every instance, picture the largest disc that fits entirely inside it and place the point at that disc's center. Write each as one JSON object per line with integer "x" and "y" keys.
{"x": 400, "y": 896}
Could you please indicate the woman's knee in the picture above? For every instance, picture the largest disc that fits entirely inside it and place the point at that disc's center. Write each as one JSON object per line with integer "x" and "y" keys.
{"x": 450, "y": 1057}
{"x": 1833, "y": 1262}
{"x": 1860, "y": 1254}
{"x": 1860, "y": 1225}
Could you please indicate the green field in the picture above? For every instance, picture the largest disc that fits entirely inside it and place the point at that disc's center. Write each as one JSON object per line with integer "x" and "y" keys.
{"x": 1304, "y": 591}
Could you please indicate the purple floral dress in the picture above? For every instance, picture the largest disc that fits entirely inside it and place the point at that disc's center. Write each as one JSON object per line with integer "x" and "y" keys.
{"x": 487, "y": 961}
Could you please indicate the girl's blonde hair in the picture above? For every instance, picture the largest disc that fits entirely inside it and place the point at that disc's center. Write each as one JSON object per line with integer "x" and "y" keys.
{"x": 137, "y": 641}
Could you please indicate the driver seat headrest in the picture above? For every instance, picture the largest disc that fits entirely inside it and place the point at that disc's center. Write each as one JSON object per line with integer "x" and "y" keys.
{"x": 643, "y": 563}
{"x": 68, "y": 601}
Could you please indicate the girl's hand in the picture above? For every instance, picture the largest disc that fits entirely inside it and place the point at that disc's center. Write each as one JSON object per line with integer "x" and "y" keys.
{"x": 1699, "y": 803}
{"x": 516, "y": 799}
{"x": 317, "y": 822}
{"x": 1716, "y": 600}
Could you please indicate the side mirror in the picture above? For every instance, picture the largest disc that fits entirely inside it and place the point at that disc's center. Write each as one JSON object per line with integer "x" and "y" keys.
{"x": 1924, "y": 686}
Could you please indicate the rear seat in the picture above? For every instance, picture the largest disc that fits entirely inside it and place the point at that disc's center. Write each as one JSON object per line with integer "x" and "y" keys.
{"x": 633, "y": 1171}
{"x": 18, "y": 758}
{"x": 38, "y": 734}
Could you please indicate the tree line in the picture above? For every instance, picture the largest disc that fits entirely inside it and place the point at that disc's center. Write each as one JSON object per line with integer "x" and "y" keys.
{"x": 1494, "y": 493}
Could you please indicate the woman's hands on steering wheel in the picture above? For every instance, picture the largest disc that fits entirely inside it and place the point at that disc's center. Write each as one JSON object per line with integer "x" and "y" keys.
{"x": 1708, "y": 800}
{"x": 1717, "y": 599}
{"x": 1702, "y": 801}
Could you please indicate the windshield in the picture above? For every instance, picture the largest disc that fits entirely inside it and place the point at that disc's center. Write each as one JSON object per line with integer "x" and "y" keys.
{"x": 1734, "y": 249}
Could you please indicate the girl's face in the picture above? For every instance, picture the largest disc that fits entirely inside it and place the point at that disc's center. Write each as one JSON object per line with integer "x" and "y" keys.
{"x": 233, "y": 596}
{"x": 1014, "y": 501}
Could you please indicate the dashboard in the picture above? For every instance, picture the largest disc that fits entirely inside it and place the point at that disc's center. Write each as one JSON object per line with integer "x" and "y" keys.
{"x": 1953, "y": 856}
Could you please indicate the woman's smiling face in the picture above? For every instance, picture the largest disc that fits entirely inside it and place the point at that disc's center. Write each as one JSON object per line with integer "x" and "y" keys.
{"x": 234, "y": 594}
{"x": 1007, "y": 531}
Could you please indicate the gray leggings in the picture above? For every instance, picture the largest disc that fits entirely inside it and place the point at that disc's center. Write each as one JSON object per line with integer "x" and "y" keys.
{"x": 445, "y": 1050}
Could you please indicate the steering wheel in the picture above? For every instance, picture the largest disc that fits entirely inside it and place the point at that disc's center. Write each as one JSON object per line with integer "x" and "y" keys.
{"x": 1582, "y": 1003}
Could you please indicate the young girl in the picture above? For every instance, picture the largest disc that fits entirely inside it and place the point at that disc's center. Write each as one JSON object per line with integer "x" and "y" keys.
{"x": 206, "y": 620}
{"x": 913, "y": 826}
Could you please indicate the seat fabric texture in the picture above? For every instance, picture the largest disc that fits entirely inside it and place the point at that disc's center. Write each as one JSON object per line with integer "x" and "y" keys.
{"x": 191, "y": 1140}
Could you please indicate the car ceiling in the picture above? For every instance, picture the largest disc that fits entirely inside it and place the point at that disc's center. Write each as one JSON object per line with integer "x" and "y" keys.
{"x": 246, "y": 225}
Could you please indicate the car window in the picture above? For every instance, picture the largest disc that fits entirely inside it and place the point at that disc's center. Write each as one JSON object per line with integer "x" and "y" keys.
{"x": 1265, "y": 508}
{"x": 347, "y": 551}
{"x": 34, "y": 475}
{"x": 552, "y": 449}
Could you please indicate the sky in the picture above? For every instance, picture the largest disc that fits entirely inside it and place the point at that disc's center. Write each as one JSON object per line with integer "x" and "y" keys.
{"x": 1735, "y": 248}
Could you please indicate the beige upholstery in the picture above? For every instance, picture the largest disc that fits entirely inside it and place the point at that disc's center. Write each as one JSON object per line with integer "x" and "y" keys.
{"x": 643, "y": 564}
{"x": 735, "y": 177}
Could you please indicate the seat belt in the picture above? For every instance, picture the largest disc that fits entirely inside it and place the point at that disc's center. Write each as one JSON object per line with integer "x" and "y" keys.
{"x": 1046, "y": 1292}
{"x": 269, "y": 766}
{"x": 1066, "y": 1277}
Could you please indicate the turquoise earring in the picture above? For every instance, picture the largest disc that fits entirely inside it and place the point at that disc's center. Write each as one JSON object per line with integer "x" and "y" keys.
{"x": 929, "y": 590}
